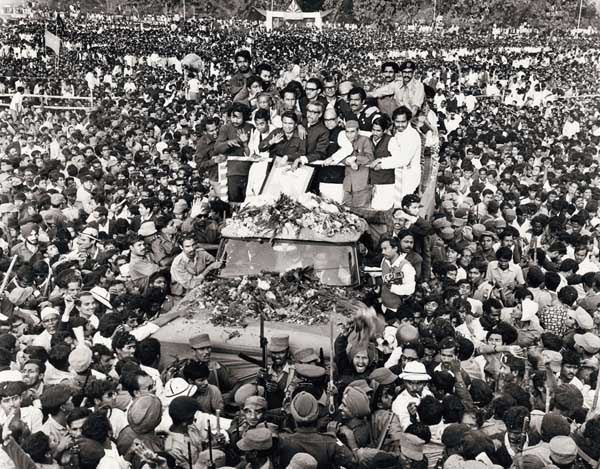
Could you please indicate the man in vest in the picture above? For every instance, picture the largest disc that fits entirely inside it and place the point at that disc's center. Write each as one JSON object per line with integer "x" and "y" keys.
{"x": 398, "y": 277}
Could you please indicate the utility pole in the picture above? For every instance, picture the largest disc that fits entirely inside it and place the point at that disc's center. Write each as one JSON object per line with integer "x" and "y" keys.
{"x": 579, "y": 17}
{"x": 184, "y": 10}
{"x": 434, "y": 9}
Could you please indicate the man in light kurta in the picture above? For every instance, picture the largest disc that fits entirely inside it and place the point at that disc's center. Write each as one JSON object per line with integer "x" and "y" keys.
{"x": 405, "y": 159}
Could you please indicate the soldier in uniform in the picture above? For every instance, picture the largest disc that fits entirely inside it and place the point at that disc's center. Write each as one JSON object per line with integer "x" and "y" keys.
{"x": 311, "y": 379}
{"x": 280, "y": 373}
{"x": 324, "y": 447}
{"x": 252, "y": 415}
{"x": 219, "y": 375}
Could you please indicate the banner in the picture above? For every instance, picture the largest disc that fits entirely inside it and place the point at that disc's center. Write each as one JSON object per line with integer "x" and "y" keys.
{"x": 52, "y": 42}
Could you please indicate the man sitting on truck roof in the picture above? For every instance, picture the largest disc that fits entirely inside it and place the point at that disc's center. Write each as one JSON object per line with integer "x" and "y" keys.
{"x": 191, "y": 266}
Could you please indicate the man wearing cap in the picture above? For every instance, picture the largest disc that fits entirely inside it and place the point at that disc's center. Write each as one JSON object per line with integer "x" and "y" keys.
{"x": 280, "y": 372}
{"x": 191, "y": 267}
{"x": 219, "y": 375}
{"x": 257, "y": 445}
{"x": 329, "y": 451}
{"x": 162, "y": 254}
{"x": 252, "y": 416}
{"x": 28, "y": 249}
{"x": 50, "y": 320}
{"x": 80, "y": 362}
{"x": 415, "y": 379}
{"x": 409, "y": 92}
{"x": 311, "y": 378}
{"x": 587, "y": 344}
{"x": 10, "y": 403}
{"x": 86, "y": 249}
{"x": 563, "y": 453}
{"x": 57, "y": 403}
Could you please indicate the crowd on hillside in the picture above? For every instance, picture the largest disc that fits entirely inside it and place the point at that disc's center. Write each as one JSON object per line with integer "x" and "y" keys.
{"x": 480, "y": 154}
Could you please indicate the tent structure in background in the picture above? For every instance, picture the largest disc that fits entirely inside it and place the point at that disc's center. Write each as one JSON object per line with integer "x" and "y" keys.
{"x": 293, "y": 14}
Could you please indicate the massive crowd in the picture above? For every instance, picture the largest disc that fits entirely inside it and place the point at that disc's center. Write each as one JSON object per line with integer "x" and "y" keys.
{"x": 481, "y": 345}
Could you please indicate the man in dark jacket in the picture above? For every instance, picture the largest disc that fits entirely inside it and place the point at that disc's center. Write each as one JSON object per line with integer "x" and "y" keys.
{"x": 324, "y": 447}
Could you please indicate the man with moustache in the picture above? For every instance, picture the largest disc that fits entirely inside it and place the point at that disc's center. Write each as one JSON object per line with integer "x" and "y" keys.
{"x": 409, "y": 92}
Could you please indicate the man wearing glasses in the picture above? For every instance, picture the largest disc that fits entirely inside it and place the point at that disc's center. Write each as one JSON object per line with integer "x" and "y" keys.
{"x": 314, "y": 89}
{"x": 334, "y": 101}
{"x": 317, "y": 135}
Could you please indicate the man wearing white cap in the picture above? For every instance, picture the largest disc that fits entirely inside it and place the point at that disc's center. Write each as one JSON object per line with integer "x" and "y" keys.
{"x": 161, "y": 253}
{"x": 415, "y": 379}
{"x": 50, "y": 320}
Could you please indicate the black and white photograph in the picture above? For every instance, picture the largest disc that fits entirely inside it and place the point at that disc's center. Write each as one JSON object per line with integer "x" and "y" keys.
{"x": 299, "y": 234}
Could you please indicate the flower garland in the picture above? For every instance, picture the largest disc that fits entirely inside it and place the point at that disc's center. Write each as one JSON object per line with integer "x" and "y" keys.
{"x": 295, "y": 297}
{"x": 289, "y": 217}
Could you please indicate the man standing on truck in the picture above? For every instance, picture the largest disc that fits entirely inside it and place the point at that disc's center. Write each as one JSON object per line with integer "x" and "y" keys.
{"x": 191, "y": 266}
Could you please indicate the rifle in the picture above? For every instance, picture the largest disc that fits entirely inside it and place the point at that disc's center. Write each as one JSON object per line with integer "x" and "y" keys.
{"x": 524, "y": 430}
{"x": 264, "y": 365}
{"x": 595, "y": 401}
{"x": 7, "y": 274}
{"x": 385, "y": 431}
{"x": 211, "y": 462}
{"x": 331, "y": 397}
{"x": 249, "y": 359}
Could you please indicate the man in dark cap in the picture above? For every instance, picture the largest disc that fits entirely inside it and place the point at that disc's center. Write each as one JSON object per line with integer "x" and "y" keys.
{"x": 28, "y": 249}
{"x": 257, "y": 445}
{"x": 57, "y": 403}
{"x": 324, "y": 447}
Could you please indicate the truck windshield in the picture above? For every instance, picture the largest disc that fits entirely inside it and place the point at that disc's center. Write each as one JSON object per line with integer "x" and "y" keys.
{"x": 334, "y": 264}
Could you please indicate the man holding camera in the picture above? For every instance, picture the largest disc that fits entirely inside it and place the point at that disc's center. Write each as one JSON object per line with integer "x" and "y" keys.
{"x": 398, "y": 277}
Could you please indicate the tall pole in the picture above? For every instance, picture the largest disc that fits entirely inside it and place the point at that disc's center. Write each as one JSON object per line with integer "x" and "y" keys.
{"x": 579, "y": 18}
{"x": 434, "y": 8}
{"x": 184, "y": 10}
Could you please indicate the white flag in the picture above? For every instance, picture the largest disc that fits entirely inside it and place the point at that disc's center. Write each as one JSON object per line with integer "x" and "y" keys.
{"x": 52, "y": 41}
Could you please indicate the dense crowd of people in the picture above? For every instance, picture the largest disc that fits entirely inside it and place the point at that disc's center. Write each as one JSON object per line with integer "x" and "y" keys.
{"x": 480, "y": 154}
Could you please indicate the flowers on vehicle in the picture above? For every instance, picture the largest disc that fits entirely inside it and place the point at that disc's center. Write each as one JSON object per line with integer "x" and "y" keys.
{"x": 309, "y": 216}
{"x": 295, "y": 297}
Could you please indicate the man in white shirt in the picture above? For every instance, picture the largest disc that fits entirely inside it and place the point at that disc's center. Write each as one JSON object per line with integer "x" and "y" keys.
{"x": 193, "y": 88}
{"x": 10, "y": 403}
{"x": 415, "y": 381}
{"x": 405, "y": 159}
